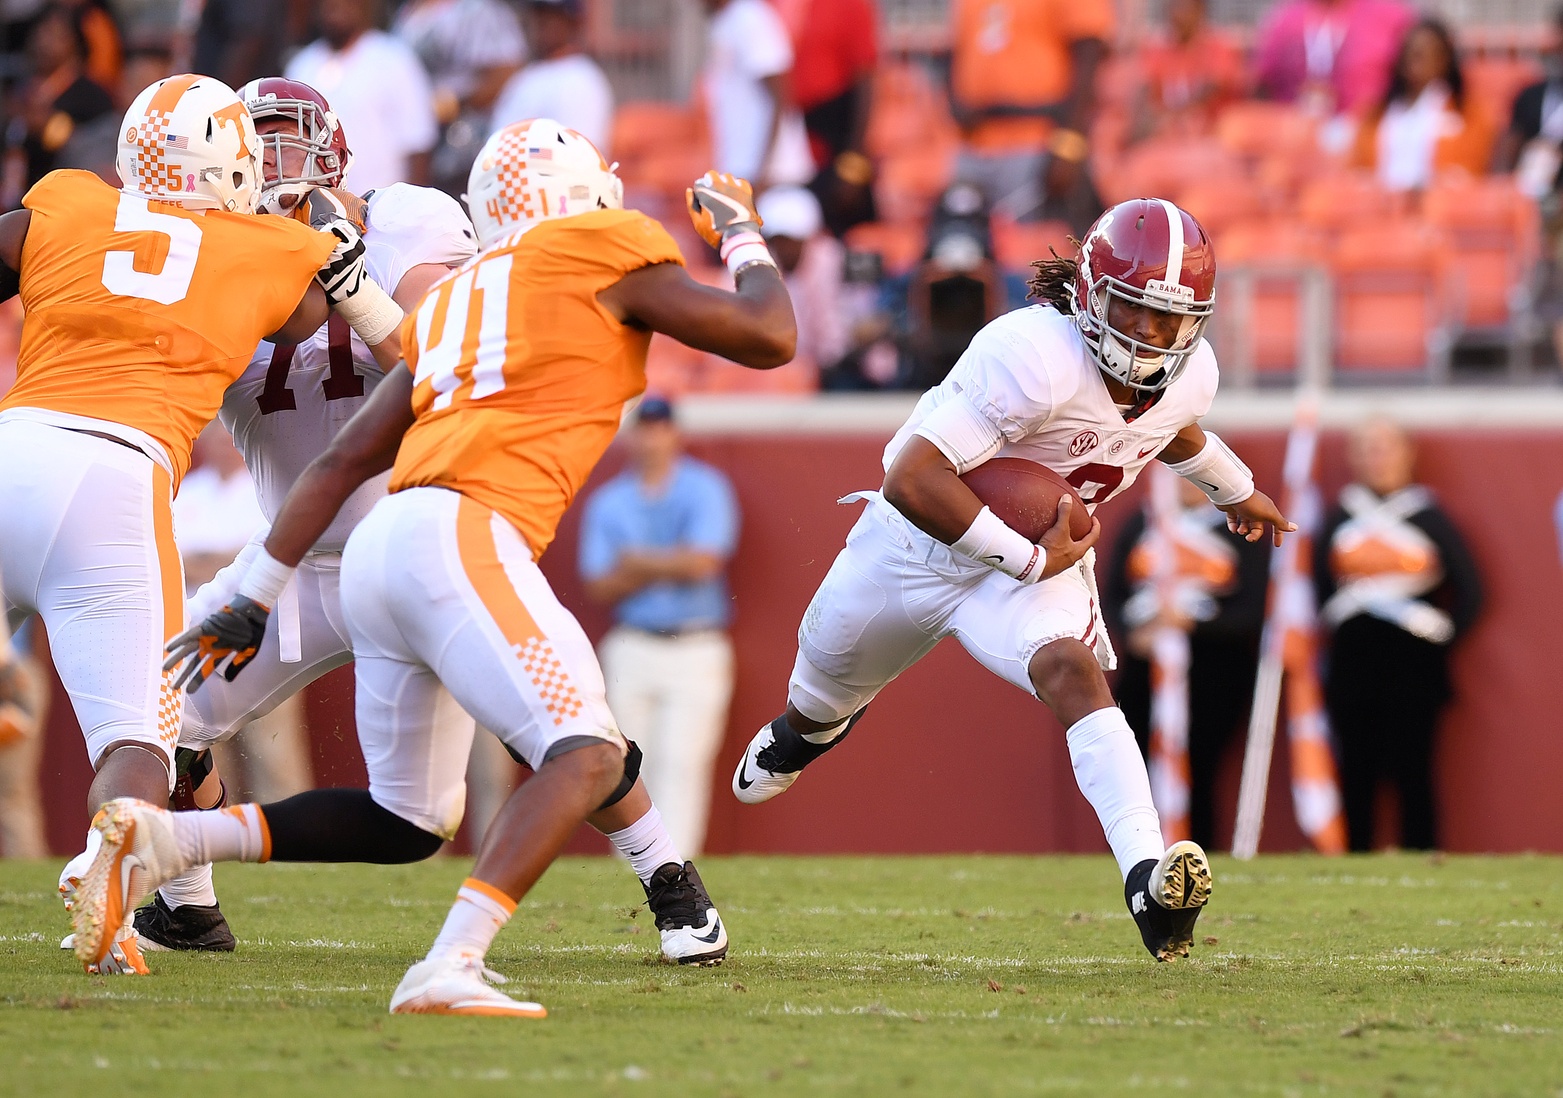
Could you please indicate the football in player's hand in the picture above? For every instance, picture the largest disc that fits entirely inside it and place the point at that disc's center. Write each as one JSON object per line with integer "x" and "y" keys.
{"x": 1025, "y": 495}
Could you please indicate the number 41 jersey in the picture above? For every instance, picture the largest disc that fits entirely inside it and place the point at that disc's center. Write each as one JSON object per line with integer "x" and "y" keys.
{"x": 291, "y": 401}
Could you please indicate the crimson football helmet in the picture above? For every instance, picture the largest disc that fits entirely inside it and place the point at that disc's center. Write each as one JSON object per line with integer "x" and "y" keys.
{"x": 316, "y": 132}
{"x": 1146, "y": 252}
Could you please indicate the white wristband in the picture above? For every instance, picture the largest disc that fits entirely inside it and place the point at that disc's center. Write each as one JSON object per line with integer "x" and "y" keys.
{"x": 265, "y": 579}
{"x": 990, "y": 540}
{"x": 1217, "y": 472}
{"x": 371, "y": 312}
{"x": 743, "y": 249}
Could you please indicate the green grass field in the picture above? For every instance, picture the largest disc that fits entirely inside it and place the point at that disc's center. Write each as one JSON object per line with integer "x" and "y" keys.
{"x": 986, "y": 975}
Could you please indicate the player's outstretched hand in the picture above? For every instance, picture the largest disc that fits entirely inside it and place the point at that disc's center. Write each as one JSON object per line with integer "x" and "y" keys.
{"x": 720, "y": 204}
{"x": 1064, "y": 552}
{"x": 233, "y": 634}
{"x": 1258, "y": 511}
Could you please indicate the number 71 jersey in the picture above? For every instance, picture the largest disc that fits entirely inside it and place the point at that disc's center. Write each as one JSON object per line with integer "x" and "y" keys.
{"x": 139, "y": 312}
{"x": 290, "y": 402}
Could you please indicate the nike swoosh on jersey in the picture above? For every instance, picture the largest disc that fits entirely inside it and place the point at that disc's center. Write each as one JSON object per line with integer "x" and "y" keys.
{"x": 1147, "y": 452}
{"x": 716, "y": 932}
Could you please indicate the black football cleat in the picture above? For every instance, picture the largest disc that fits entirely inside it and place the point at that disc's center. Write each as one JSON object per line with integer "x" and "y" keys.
{"x": 692, "y": 931}
{"x": 1165, "y": 896}
{"x": 187, "y": 927}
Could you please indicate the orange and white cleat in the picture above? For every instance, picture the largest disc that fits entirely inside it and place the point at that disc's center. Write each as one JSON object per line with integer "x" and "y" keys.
{"x": 137, "y": 854}
{"x": 124, "y": 959}
{"x": 453, "y": 984}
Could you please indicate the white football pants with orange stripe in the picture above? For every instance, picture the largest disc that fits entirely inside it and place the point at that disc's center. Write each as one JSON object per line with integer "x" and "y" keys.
{"x": 894, "y": 592}
{"x": 438, "y": 589}
{"x": 87, "y": 542}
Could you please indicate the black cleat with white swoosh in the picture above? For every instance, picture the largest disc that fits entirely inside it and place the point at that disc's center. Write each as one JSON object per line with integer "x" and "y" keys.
{"x": 1165, "y": 896}
{"x": 776, "y": 756}
{"x": 692, "y": 931}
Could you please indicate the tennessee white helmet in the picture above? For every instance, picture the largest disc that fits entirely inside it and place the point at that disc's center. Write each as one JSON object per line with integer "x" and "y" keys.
{"x": 189, "y": 139}
{"x": 534, "y": 170}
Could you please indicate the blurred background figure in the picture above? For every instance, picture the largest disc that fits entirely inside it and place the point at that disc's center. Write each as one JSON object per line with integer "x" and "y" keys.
{"x": 655, "y": 542}
{"x": 242, "y": 40}
{"x": 215, "y": 513}
{"x": 811, "y": 263}
{"x": 145, "y": 64}
{"x": 379, "y": 91}
{"x": 836, "y": 44}
{"x": 1023, "y": 90}
{"x": 561, "y": 81}
{"x": 1218, "y": 586}
{"x": 1426, "y": 123}
{"x": 24, "y": 714}
{"x": 756, "y": 131}
{"x": 1398, "y": 586}
{"x": 1191, "y": 73}
{"x": 954, "y": 291}
{"x": 65, "y": 119}
{"x": 1330, "y": 56}
{"x": 469, "y": 48}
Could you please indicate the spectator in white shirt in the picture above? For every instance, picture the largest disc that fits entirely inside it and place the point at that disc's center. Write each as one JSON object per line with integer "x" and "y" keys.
{"x": 379, "y": 90}
{"x": 756, "y": 132}
{"x": 811, "y": 263}
{"x": 563, "y": 83}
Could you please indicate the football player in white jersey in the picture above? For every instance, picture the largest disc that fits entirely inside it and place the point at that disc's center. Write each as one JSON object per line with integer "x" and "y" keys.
{"x": 283, "y": 412}
{"x": 1106, "y": 373}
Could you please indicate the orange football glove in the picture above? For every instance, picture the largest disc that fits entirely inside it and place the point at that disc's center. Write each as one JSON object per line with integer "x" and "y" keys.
{"x": 721, "y": 204}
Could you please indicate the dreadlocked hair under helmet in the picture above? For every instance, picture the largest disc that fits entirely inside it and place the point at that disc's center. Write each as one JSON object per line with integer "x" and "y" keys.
{"x": 1053, "y": 281}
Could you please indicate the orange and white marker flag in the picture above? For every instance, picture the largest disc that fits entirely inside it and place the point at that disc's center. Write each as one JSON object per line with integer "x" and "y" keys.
{"x": 1169, "y": 746}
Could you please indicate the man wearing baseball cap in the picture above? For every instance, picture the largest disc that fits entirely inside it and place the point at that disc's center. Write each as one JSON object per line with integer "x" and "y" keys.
{"x": 655, "y": 542}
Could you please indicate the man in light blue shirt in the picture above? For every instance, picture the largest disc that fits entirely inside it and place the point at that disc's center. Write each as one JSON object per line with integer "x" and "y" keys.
{"x": 655, "y": 541}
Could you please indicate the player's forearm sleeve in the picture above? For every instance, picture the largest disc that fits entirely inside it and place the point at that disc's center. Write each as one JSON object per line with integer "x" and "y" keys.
{"x": 991, "y": 541}
{"x": 1217, "y": 472}
{"x": 372, "y": 313}
{"x": 962, "y": 433}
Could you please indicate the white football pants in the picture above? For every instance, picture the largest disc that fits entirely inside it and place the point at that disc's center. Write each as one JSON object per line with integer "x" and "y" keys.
{"x": 894, "y": 592}
{"x": 87, "y": 543}
{"x": 437, "y": 588}
{"x": 670, "y": 695}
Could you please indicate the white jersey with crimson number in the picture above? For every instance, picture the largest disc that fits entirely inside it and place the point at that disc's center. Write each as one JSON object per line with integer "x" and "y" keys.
{"x": 291, "y": 401}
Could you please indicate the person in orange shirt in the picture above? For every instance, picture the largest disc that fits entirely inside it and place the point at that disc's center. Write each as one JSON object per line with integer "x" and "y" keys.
{"x": 1426, "y": 123}
{"x": 1190, "y": 73}
{"x": 519, "y": 366}
{"x": 1022, "y": 85}
{"x": 142, "y": 304}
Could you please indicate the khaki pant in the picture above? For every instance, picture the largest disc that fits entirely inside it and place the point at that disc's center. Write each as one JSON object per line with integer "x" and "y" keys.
{"x": 670, "y": 695}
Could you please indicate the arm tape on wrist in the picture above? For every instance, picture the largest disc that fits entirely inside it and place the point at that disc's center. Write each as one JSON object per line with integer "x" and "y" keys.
{"x": 962, "y": 433}
{"x": 745, "y": 248}
{"x": 990, "y": 540}
{"x": 371, "y": 312}
{"x": 265, "y": 579}
{"x": 1217, "y": 472}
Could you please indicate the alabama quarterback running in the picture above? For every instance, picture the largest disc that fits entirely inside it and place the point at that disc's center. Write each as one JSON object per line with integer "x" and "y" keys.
{"x": 283, "y": 412}
{"x": 1107, "y": 373}
{"x": 141, "y": 305}
{"x": 518, "y": 369}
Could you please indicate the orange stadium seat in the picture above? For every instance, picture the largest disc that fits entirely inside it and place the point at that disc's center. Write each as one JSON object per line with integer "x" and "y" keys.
{"x": 1256, "y": 129}
{"x": 1391, "y": 295}
{"x": 898, "y": 245}
{"x": 1493, "y": 232}
{"x": 640, "y": 128}
{"x": 1218, "y": 203}
{"x": 910, "y": 183}
{"x": 1343, "y": 199}
{"x": 1495, "y": 82}
{"x": 1275, "y": 252}
{"x": 1161, "y": 167}
{"x": 1017, "y": 245}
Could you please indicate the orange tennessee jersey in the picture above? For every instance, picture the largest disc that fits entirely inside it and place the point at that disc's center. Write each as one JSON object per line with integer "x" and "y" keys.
{"x": 141, "y": 312}
{"x": 520, "y": 374}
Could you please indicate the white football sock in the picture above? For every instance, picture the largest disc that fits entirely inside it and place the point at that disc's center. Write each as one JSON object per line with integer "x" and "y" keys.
{"x": 237, "y": 834}
{"x": 193, "y": 886}
{"x": 1111, "y": 773}
{"x": 827, "y": 735}
{"x": 476, "y": 916}
{"x": 646, "y": 844}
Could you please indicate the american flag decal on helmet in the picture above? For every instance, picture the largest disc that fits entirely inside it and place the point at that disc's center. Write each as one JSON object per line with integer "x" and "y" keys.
{"x": 176, "y": 141}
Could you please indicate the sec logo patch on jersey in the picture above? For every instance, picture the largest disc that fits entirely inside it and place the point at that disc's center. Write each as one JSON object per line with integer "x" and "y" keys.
{"x": 1083, "y": 443}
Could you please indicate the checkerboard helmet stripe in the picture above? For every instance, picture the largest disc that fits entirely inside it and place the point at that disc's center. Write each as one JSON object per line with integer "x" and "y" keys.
{"x": 534, "y": 170}
{"x": 189, "y": 139}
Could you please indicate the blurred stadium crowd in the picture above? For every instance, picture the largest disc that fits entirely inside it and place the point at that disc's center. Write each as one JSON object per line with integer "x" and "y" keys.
{"x": 1381, "y": 181}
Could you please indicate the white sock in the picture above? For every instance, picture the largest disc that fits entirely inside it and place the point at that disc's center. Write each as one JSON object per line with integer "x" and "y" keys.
{"x": 237, "y": 834}
{"x": 193, "y": 886}
{"x": 476, "y": 916}
{"x": 646, "y": 844}
{"x": 1111, "y": 773}
{"x": 826, "y": 735}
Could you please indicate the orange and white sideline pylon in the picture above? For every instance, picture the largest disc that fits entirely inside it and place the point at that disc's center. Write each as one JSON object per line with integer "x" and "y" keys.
{"x": 1169, "y": 746}
{"x": 1289, "y": 651}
